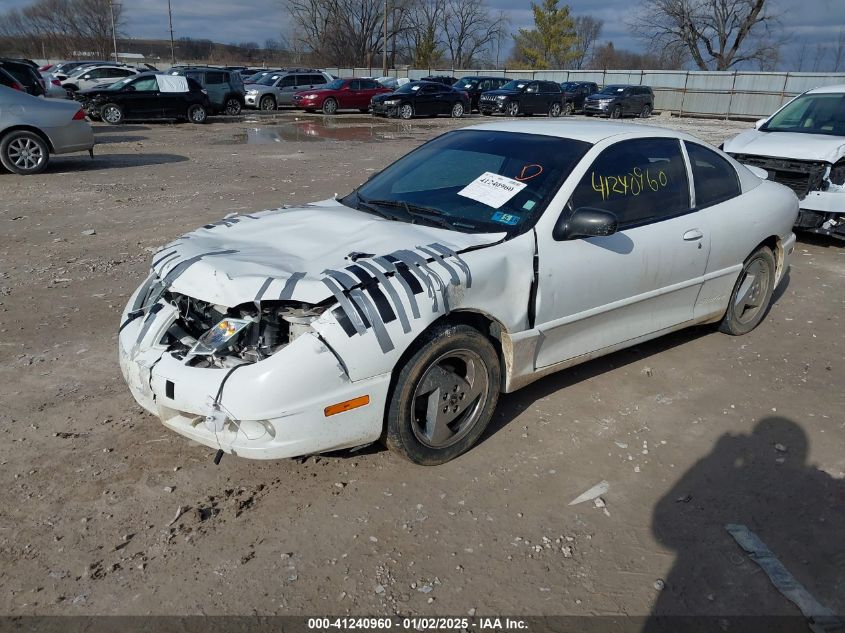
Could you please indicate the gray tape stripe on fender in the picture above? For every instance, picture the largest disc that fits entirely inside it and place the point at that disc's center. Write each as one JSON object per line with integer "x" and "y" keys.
{"x": 456, "y": 281}
{"x": 290, "y": 284}
{"x": 374, "y": 317}
{"x": 385, "y": 283}
{"x": 262, "y": 289}
{"x": 422, "y": 264}
{"x": 347, "y": 307}
{"x": 389, "y": 267}
{"x": 143, "y": 291}
{"x": 342, "y": 278}
{"x": 458, "y": 261}
{"x": 161, "y": 256}
{"x": 407, "y": 258}
{"x": 179, "y": 268}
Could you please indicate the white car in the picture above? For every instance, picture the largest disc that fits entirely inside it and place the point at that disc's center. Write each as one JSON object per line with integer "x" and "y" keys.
{"x": 477, "y": 263}
{"x": 802, "y": 146}
{"x": 94, "y": 76}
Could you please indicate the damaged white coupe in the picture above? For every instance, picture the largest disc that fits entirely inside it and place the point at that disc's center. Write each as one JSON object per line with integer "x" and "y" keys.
{"x": 802, "y": 146}
{"x": 482, "y": 260}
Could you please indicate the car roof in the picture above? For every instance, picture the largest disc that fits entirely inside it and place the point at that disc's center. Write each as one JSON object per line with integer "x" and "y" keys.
{"x": 824, "y": 89}
{"x": 587, "y": 131}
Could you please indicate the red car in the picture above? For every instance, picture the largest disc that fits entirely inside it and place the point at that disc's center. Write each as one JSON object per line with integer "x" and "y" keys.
{"x": 340, "y": 94}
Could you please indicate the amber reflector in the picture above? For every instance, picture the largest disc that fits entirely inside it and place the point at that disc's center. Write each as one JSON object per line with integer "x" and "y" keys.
{"x": 348, "y": 405}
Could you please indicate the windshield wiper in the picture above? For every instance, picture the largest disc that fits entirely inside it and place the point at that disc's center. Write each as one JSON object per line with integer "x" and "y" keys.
{"x": 429, "y": 214}
{"x": 367, "y": 206}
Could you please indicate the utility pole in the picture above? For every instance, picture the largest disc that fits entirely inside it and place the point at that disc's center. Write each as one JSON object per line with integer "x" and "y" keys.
{"x": 113, "y": 33}
{"x": 384, "y": 48}
{"x": 172, "y": 49}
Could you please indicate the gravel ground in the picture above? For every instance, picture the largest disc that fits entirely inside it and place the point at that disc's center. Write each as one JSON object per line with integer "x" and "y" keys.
{"x": 104, "y": 511}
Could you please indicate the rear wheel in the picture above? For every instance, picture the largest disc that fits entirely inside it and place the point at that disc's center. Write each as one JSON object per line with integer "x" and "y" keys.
{"x": 232, "y": 107}
{"x": 329, "y": 106}
{"x": 443, "y": 396}
{"x": 24, "y": 153}
{"x": 197, "y": 113}
{"x": 554, "y": 110}
{"x": 112, "y": 114}
{"x": 646, "y": 112}
{"x": 751, "y": 295}
{"x": 457, "y": 110}
{"x": 267, "y": 102}
{"x": 406, "y": 111}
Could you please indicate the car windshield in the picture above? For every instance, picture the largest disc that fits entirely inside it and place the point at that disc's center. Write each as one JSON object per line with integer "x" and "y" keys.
{"x": 337, "y": 84}
{"x": 474, "y": 181}
{"x": 611, "y": 90}
{"x": 409, "y": 88}
{"x": 268, "y": 80}
{"x": 117, "y": 85}
{"x": 514, "y": 85}
{"x": 811, "y": 114}
{"x": 568, "y": 85}
{"x": 466, "y": 84}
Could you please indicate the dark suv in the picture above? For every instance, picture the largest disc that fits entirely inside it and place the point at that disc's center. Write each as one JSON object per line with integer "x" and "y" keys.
{"x": 575, "y": 93}
{"x": 617, "y": 101}
{"x": 225, "y": 87}
{"x": 523, "y": 96}
{"x": 25, "y": 75}
{"x": 475, "y": 86}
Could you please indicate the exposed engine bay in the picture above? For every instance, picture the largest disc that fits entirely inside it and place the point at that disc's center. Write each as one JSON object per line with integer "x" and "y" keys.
{"x": 264, "y": 329}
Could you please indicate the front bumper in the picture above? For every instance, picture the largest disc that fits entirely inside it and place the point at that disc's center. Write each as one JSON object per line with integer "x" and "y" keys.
{"x": 491, "y": 107}
{"x": 274, "y": 408}
{"x": 251, "y": 101}
{"x": 379, "y": 109}
{"x": 307, "y": 104}
{"x": 596, "y": 108}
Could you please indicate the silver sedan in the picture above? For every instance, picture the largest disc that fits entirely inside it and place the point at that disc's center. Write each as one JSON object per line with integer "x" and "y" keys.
{"x": 52, "y": 126}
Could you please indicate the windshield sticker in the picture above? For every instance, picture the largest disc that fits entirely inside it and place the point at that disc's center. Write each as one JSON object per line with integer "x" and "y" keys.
{"x": 492, "y": 189}
{"x": 505, "y": 218}
{"x": 529, "y": 204}
{"x": 529, "y": 171}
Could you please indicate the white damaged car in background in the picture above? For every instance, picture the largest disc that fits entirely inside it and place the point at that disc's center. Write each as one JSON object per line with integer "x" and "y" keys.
{"x": 482, "y": 260}
{"x": 802, "y": 146}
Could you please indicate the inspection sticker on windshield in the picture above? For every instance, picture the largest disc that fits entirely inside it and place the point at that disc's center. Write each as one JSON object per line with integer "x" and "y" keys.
{"x": 492, "y": 189}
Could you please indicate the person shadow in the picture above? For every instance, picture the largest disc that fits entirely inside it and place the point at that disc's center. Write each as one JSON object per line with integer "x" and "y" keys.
{"x": 761, "y": 481}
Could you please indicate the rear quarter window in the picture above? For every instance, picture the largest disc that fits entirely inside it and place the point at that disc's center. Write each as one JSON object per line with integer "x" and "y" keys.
{"x": 216, "y": 78}
{"x": 714, "y": 178}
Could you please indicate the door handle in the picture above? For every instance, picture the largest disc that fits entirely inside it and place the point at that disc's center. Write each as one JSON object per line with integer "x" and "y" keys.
{"x": 693, "y": 235}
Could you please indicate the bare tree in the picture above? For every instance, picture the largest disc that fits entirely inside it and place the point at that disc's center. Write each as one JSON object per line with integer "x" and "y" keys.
{"x": 818, "y": 57}
{"x": 587, "y": 30}
{"x": 469, "y": 29}
{"x": 422, "y": 38}
{"x": 839, "y": 50}
{"x": 719, "y": 34}
{"x": 802, "y": 55}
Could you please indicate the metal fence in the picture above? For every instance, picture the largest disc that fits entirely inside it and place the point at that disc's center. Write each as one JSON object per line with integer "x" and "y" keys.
{"x": 737, "y": 95}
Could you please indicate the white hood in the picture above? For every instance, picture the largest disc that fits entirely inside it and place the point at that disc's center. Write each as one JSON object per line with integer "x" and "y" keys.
{"x": 283, "y": 253}
{"x": 821, "y": 147}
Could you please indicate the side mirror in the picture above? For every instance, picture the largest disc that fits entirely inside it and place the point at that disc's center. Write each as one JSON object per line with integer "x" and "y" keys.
{"x": 86, "y": 76}
{"x": 759, "y": 123}
{"x": 584, "y": 222}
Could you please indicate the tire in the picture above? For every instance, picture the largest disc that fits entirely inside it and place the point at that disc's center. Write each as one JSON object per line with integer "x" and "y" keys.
{"x": 197, "y": 114}
{"x": 232, "y": 106}
{"x": 24, "y": 153}
{"x": 267, "y": 102}
{"x": 457, "y": 110}
{"x": 406, "y": 111}
{"x": 112, "y": 114}
{"x": 554, "y": 110}
{"x": 329, "y": 106}
{"x": 483, "y": 113}
{"x": 568, "y": 109}
{"x": 512, "y": 109}
{"x": 751, "y": 295}
{"x": 71, "y": 87}
{"x": 615, "y": 113}
{"x": 456, "y": 367}
{"x": 646, "y": 112}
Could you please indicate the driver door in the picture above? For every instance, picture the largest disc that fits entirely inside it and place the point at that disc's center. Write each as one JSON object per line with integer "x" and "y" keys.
{"x": 140, "y": 99}
{"x": 603, "y": 291}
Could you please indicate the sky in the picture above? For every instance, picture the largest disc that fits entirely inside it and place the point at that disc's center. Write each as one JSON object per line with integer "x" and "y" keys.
{"x": 817, "y": 21}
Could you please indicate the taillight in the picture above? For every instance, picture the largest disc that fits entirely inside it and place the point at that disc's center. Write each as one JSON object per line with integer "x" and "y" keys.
{"x": 56, "y": 82}
{"x": 17, "y": 86}
{"x": 79, "y": 116}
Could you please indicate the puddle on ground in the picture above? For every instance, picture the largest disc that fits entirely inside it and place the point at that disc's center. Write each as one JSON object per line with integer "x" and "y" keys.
{"x": 317, "y": 131}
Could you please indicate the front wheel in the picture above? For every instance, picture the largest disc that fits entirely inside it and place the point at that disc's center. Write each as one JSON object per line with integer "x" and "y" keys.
{"x": 751, "y": 295}
{"x": 406, "y": 111}
{"x": 267, "y": 103}
{"x": 457, "y": 110}
{"x": 554, "y": 110}
{"x": 232, "y": 107}
{"x": 197, "y": 113}
{"x": 513, "y": 108}
{"x": 329, "y": 106}
{"x": 616, "y": 112}
{"x": 24, "y": 153}
{"x": 443, "y": 396}
{"x": 112, "y": 114}
{"x": 646, "y": 112}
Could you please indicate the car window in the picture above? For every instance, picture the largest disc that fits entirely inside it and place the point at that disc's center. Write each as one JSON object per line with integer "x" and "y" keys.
{"x": 640, "y": 181}
{"x": 316, "y": 79}
{"x": 195, "y": 76}
{"x": 368, "y": 84}
{"x": 428, "y": 89}
{"x": 287, "y": 82}
{"x": 714, "y": 178}
{"x": 355, "y": 84}
{"x": 215, "y": 78}
{"x": 532, "y": 87}
{"x": 120, "y": 72}
{"x": 146, "y": 83}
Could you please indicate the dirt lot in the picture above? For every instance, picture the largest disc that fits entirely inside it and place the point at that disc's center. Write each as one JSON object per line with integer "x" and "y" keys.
{"x": 691, "y": 432}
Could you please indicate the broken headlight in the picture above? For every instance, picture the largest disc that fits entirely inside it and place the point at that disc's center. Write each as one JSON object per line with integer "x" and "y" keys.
{"x": 220, "y": 336}
{"x": 837, "y": 173}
